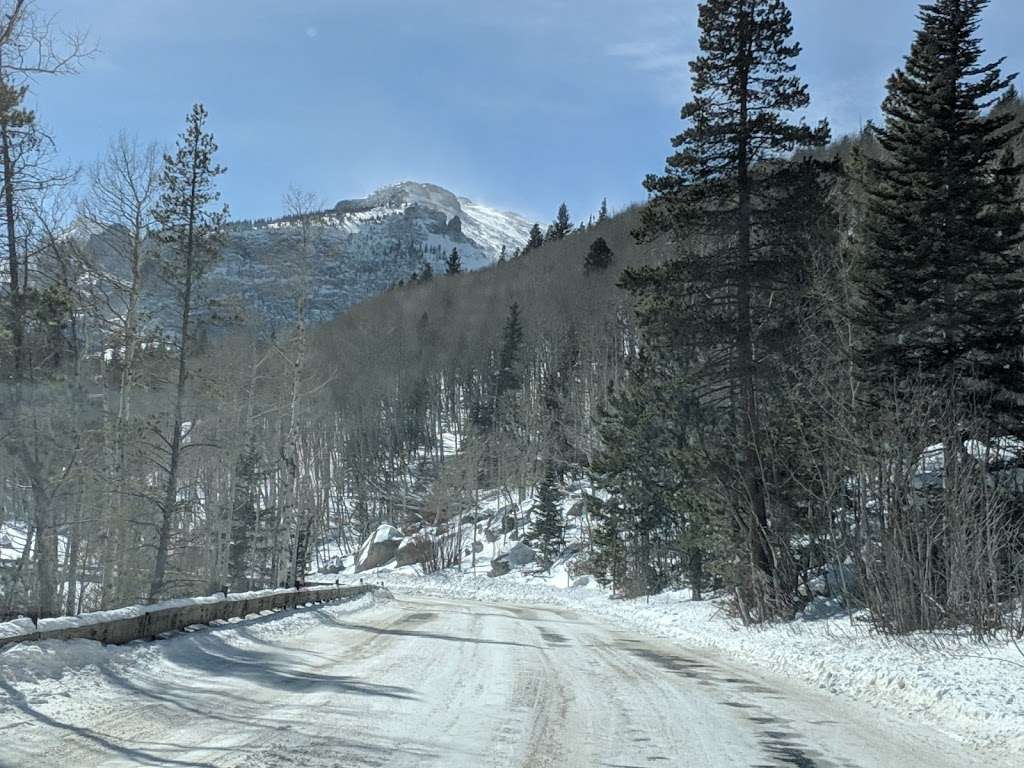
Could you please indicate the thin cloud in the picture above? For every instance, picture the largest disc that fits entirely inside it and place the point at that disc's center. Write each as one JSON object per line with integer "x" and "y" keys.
{"x": 666, "y": 61}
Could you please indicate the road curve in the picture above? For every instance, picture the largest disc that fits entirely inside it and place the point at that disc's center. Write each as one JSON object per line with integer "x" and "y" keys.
{"x": 417, "y": 682}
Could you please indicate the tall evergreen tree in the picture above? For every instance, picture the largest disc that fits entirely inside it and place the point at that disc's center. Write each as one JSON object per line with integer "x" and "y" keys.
{"x": 509, "y": 377}
{"x": 547, "y": 533}
{"x": 725, "y": 302}
{"x": 652, "y": 531}
{"x": 244, "y": 513}
{"x": 492, "y": 406}
{"x": 536, "y": 239}
{"x": 15, "y": 119}
{"x": 944, "y": 280}
{"x": 190, "y": 230}
{"x": 562, "y": 225}
{"x": 453, "y": 265}
{"x": 602, "y": 214}
{"x": 598, "y": 257}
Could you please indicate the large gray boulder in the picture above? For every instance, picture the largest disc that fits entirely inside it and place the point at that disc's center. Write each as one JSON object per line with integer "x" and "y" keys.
{"x": 831, "y": 581}
{"x": 379, "y": 549}
{"x": 517, "y": 556}
{"x": 414, "y": 550}
{"x": 521, "y": 554}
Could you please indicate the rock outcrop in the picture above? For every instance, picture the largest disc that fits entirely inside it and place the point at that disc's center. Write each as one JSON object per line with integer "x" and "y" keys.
{"x": 379, "y": 549}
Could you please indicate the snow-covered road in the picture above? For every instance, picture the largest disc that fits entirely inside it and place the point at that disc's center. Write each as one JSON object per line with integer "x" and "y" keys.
{"x": 419, "y": 681}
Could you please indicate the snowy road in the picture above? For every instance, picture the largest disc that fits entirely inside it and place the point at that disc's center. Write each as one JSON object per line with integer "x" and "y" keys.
{"x": 427, "y": 682}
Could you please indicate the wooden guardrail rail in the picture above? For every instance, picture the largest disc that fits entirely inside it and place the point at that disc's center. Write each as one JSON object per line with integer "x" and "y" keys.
{"x": 141, "y": 622}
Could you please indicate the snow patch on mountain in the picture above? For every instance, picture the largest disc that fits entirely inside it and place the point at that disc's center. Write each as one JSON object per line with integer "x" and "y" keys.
{"x": 493, "y": 229}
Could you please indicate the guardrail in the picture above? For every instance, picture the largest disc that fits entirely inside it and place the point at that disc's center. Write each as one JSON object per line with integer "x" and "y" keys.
{"x": 146, "y": 622}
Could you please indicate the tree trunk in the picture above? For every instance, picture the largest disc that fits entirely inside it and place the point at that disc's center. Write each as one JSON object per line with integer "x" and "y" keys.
{"x": 17, "y": 309}
{"x": 761, "y": 560}
{"x": 170, "y": 500}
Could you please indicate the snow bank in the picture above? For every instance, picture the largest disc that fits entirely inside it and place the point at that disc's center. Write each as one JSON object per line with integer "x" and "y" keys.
{"x": 13, "y": 537}
{"x": 16, "y": 628}
{"x": 973, "y": 692}
{"x": 25, "y": 627}
{"x": 77, "y": 661}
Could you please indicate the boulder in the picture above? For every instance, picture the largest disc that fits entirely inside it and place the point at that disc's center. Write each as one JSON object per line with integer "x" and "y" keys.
{"x": 499, "y": 568}
{"x": 414, "y": 550}
{"x": 334, "y": 565}
{"x": 379, "y": 548}
{"x": 475, "y": 516}
{"x": 830, "y": 581}
{"x": 824, "y": 608}
{"x": 519, "y": 555}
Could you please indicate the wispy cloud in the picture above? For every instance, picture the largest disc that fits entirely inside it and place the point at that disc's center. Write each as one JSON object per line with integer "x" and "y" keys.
{"x": 667, "y": 61}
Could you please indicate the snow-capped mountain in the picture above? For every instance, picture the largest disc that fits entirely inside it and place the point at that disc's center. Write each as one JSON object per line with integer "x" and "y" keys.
{"x": 485, "y": 228}
{"x": 427, "y": 215}
{"x": 362, "y": 247}
{"x": 359, "y": 248}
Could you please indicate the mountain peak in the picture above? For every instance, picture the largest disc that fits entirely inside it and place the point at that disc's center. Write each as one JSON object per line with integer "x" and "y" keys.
{"x": 482, "y": 226}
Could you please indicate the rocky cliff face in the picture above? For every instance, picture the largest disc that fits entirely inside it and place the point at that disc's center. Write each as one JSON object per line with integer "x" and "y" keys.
{"x": 358, "y": 249}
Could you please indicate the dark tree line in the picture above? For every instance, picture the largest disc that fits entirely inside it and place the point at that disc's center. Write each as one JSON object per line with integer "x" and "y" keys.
{"x": 819, "y": 326}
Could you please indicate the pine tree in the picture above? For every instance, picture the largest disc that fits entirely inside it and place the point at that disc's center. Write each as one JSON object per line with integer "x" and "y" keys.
{"x": 244, "y": 513}
{"x": 503, "y": 256}
{"x": 725, "y": 307}
{"x": 557, "y": 392}
{"x": 509, "y": 378}
{"x": 547, "y": 532}
{"x": 598, "y": 257}
{"x": 14, "y": 120}
{"x": 493, "y": 404}
{"x": 655, "y": 509}
{"x": 427, "y": 273}
{"x": 190, "y": 231}
{"x": 561, "y": 226}
{"x": 602, "y": 214}
{"x": 536, "y": 239}
{"x": 944, "y": 278}
{"x": 453, "y": 265}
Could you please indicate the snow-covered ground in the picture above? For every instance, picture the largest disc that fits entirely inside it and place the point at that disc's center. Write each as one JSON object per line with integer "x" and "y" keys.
{"x": 81, "y": 664}
{"x": 970, "y": 691}
{"x": 423, "y": 682}
{"x": 12, "y": 543}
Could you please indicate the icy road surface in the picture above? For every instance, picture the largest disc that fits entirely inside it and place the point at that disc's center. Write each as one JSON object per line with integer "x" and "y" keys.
{"x": 427, "y": 682}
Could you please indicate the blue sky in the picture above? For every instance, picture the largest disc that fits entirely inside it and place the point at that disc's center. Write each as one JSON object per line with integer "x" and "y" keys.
{"x": 517, "y": 103}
